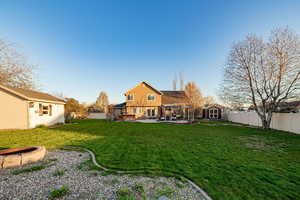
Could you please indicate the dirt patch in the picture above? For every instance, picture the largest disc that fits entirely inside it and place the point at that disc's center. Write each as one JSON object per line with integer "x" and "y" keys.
{"x": 260, "y": 143}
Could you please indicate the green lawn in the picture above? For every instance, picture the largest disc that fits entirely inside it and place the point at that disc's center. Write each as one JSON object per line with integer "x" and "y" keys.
{"x": 228, "y": 162}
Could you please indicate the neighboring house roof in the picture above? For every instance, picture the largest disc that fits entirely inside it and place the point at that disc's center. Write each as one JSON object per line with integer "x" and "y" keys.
{"x": 286, "y": 107}
{"x": 174, "y": 97}
{"x": 31, "y": 95}
{"x": 121, "y": 105}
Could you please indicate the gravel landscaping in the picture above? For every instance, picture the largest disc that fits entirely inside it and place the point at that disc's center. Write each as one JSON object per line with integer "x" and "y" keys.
{"x": 67, "y": 175}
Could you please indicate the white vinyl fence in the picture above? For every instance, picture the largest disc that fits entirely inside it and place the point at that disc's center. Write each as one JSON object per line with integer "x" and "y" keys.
{"x": 97, "y": 116}
{"x": 281, "y": 121}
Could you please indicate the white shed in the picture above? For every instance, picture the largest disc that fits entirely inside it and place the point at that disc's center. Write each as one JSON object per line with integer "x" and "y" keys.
{"x": 24, "y": 109}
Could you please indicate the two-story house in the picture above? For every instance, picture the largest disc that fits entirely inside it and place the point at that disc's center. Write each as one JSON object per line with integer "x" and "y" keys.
{"x": 144, "y": 101}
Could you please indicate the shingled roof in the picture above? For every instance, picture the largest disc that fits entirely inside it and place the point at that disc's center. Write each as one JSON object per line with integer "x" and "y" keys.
{"x": 174, "y": 97}
{"x": 31, "y": 95}
{"x": 286, "y": 107}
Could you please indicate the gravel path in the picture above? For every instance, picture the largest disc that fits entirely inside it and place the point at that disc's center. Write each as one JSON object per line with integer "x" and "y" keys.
{"x": 85, "y": 184}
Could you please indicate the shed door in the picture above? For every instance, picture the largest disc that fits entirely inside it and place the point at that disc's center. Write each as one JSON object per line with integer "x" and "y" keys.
{"x": 213, "y": 114}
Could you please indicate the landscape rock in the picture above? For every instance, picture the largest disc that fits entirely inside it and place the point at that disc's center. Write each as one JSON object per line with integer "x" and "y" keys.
{"x": 163, "y": 198}
{"x": 81, "y": 184}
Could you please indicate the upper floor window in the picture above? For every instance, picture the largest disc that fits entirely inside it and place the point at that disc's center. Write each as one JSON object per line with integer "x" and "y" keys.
{"x": 130, "y": 97}
{"x": 151, "y": 97}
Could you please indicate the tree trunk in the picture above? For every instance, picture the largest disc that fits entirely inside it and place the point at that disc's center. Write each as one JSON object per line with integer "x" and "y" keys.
{"x": 266, "y": 121}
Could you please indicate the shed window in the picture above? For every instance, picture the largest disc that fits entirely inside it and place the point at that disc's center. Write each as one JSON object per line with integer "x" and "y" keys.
{"x": 40, "y": 109}
{"x": 31, "y": 105}
{"x": 50, "y": 110}
{"x": 45, "y": 110}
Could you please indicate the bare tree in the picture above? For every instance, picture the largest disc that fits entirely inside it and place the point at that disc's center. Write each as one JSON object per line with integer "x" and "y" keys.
{"x": 263, "y": 74}
{"x": 181, "y": 81}
{"x": 195, "y": 96}
{"x": 14, "y": 70}
{"x": 102, "y": 102}
{"x": 174, "y": 82}
{"x": 209, "y": 100}
{"x": 59, "y": 95}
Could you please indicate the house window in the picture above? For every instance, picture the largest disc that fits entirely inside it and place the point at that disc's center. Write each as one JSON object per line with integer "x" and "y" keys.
{"x": 130, "y": 97}
{"x": 151, "y": 97}
{"x": 151, "y": 112}
{"x": 137, "y": 110}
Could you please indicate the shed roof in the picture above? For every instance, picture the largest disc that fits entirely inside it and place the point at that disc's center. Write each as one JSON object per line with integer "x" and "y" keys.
{"x": 213, "y": 106}
{"x": 31, "y": 95}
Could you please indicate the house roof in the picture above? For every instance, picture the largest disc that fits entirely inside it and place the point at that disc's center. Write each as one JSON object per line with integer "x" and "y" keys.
{"x": 168, "y": 96}
{"x": 31, "y": 95}
{"x": 174, "y": 97}
{"x": 148, "y": 85}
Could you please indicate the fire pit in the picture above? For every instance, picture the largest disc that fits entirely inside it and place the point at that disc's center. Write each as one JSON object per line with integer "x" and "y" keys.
{"x": 21, "y": 156}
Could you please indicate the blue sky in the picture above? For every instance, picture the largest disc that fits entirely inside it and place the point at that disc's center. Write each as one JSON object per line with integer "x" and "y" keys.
{"x": 84, "y": 47}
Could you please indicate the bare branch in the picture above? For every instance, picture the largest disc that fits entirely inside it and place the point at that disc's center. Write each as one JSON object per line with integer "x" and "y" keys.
{"x": 14, "y": 69}
{"x": 263, "y": 73}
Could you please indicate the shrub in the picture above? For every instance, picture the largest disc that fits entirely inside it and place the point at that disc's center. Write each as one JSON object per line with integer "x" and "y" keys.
{"x": 31, "y": 169}
{"x": 59, "y": 172}
{"x": 56, "y": 193}
{"x": 41, "y": 126}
